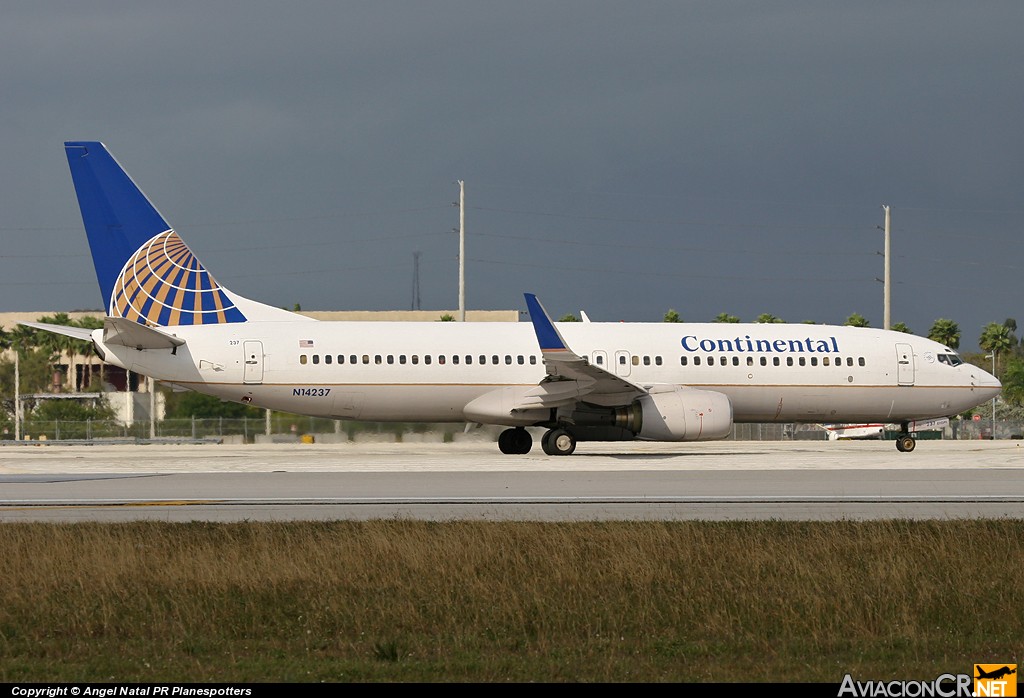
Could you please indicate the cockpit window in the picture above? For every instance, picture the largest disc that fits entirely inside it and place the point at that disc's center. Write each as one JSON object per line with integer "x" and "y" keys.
{"x": 951, "y": 359}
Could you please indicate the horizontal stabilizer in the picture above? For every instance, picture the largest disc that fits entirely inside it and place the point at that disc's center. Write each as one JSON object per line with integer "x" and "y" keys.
{"x": 117, "y": 330}
{"x": 66, "y": 330}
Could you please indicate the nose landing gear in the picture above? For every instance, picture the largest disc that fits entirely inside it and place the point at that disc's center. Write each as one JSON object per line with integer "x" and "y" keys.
{"x": 905, "y": 443}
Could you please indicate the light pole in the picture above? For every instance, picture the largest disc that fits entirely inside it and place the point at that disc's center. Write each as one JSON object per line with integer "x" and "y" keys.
{"x": 993, "y": 357}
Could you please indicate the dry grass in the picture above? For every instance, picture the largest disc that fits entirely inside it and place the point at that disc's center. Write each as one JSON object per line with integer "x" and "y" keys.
{"x": 492, "y": 602}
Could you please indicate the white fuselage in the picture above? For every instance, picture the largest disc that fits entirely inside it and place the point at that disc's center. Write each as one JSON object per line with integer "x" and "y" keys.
{"x": 384, "y": 371}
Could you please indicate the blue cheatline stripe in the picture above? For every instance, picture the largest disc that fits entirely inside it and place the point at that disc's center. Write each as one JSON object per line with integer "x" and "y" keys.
{"x": 547, "y": 335}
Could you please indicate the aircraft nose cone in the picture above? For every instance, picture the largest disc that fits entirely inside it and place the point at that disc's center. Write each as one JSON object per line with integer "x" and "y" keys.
{"x": 987, "y": 384}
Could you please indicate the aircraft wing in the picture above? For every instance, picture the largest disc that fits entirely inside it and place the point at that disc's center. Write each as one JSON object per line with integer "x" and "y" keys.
{"x": 571, "y": 378}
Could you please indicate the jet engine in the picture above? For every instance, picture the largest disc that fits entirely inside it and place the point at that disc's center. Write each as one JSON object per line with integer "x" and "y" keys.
{"x": 667, "y": 413}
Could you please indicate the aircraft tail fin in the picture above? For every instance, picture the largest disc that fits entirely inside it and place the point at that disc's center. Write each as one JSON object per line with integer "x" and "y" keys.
{"x": 146, "y": 272}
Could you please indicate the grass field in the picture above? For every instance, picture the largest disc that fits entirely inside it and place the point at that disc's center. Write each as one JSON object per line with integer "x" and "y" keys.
{"x": 405, "y": 601}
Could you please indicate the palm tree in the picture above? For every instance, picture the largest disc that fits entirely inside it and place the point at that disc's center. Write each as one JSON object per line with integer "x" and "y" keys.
{"x": 857, "y": 320}
{"x": 901, "y": 327}
{"x": 945, "y": 332}
{"x": 996, "y": 338}
{"x": 86, "y": 348}
{"x": 1013, "y": 381}
{"x": 768, "y": 317}
{"x": 672, "y": 316}
{"x": 726, "y": 317}
{"x": 58, "y": 344}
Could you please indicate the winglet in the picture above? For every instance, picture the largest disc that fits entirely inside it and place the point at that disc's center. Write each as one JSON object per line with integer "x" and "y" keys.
{"x": 547, "y": 336}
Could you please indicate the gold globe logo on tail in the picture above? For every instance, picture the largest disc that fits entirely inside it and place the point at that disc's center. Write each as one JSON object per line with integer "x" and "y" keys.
{"x": 164, "y": 284}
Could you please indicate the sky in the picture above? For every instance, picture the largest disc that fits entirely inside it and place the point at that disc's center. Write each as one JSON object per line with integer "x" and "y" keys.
{"x": 620, "y": 158}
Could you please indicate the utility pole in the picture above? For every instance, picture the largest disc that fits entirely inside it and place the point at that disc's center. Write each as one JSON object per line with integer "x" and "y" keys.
{"x": 888, "y": 276}
{"x": 17, "y": 393}
{"x": 462, "y": 251}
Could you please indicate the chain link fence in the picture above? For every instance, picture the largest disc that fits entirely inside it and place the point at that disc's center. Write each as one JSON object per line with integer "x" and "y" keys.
{"x": 284, "y": 428}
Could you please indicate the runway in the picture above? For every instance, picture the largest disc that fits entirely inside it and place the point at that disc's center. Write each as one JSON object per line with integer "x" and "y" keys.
{"x": 726, "y": 480}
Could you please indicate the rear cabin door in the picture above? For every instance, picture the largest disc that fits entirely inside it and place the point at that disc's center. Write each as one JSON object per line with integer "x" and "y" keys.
{"x": 904, "y": 364}
{"x": 253, "y": 371}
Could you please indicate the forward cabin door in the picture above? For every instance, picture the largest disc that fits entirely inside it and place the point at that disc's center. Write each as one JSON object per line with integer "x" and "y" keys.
{"x": 253, "y": 372}
{"x": 904, "y": 364}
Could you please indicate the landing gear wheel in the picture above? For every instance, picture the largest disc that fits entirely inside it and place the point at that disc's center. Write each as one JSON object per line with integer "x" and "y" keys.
{"x": 515, "y": 441}
{"x": 558, "y": 442}
{"x": 905, "y": 443}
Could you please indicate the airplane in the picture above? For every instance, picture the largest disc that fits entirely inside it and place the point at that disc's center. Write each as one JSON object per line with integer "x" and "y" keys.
{"x": 840, "y": 432}
{"x": 169, "y": 319}
{"x": 995, "y": 674}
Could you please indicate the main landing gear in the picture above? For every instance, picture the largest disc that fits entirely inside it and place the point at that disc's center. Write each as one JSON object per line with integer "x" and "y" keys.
{"x": 905, "y": 443}
{"x": 515, "y": 441}
{"x": 556, "y": 442}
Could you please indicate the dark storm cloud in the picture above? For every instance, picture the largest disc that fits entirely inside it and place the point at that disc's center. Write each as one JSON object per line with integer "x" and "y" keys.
{"x": 624, "y": 158}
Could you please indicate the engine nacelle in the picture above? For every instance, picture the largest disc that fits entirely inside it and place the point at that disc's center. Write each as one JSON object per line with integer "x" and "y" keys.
{"x": 684, "y": 414}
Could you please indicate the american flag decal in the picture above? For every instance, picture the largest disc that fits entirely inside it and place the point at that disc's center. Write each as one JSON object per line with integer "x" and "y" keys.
{"x": 305, "y": 342}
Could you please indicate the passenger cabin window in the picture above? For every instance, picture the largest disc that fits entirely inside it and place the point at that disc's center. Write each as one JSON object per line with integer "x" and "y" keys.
{"x": 316, "y": 358}
{"x": 657, "y": 361}
{"x": 636, "y": 360}
{"x": 682, "y": 360}
{"x": 341, "y": 358}
{"x": 860, "y": 361}
{"x": 327, "y": 359}
{"x": 599, "y": 360}
{"x": 696, "y": 361}
{"x": 533, "y": 360}
{"x": 302, "y": 359}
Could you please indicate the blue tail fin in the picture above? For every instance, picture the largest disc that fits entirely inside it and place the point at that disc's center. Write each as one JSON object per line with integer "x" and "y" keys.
{"x": 146, "y": 272}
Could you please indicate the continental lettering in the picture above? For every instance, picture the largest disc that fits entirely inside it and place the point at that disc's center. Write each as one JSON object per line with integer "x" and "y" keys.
{"x": 746, "y": 343}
